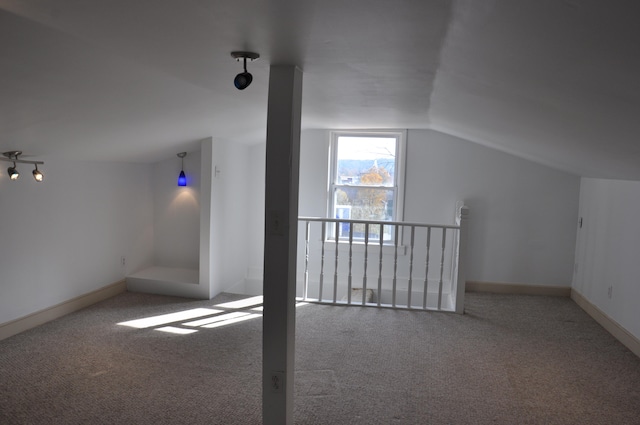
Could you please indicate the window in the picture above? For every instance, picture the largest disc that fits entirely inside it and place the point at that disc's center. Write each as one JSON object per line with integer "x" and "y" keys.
{"x": 366, "y": 181}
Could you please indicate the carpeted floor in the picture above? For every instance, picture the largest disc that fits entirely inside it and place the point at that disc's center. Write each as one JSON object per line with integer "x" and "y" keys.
{"x": 508, "y": 360}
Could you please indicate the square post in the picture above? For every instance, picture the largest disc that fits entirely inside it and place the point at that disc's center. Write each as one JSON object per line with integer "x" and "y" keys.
{"x": 462, "y": 259}
{"x": 280, "y": 243}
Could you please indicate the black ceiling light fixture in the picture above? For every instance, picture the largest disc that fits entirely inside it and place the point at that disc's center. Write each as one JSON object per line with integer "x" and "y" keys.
{"x": 243, "y": 79}
{"x": 13, "y": 156}
{"x": 37, "y": 174}
{"x": 13, "y": 173}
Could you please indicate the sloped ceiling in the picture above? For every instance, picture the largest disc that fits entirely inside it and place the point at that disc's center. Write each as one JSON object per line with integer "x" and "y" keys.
{"x": 549, "y": 80}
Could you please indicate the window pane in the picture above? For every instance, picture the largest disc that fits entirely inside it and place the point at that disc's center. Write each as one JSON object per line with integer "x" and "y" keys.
{"x": 358, "y": 203}
{"x": 359, "y": 232}
{"x": 366, "y": 161}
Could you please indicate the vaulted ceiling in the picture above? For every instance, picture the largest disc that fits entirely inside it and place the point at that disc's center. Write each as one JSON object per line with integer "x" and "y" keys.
{"x": 553, "y": 81}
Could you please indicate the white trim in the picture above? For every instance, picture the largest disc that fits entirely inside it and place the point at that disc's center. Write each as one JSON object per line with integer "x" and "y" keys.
{"x": 372, "y": 248}
{"x": 43, "y": 316}
{"x": 614, "y": 328}
{"x": 517, "y": 288}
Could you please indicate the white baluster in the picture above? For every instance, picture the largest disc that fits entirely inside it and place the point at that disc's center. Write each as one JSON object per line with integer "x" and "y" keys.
{"x": 366, "y": 260}
{"x": 350, "y": 262}
{"x": 335, "y": 274}
{"x": 444, "y": 242}
{"x": 462, "y": 259}
{"x": 306, "y": 260}
{"x": 395, "y": 266}
{"x": 324, "y": 234}
{"x": 380, "y": 264}
{"x": 410, "y": 286}
{"x": 426, "y": 271}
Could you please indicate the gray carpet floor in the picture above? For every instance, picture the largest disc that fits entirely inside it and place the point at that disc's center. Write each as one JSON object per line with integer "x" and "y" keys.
{"x": 508, "y": 360}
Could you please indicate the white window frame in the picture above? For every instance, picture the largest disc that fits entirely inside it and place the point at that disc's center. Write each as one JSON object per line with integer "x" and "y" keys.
{"x": 399, "y": 171}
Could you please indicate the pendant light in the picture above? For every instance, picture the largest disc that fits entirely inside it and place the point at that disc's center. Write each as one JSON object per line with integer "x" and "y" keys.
{"x": 182, "y": 178}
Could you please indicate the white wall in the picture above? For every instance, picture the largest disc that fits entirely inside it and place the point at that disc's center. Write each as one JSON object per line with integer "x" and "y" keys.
{"x": 230, "y": 195}
{"x": 522, "y": 226}
{"x": 257, "y": 156}
{"x": 64, "y": 237}
{"x": 177, "y": 213}
{"x": 608, "y": 249}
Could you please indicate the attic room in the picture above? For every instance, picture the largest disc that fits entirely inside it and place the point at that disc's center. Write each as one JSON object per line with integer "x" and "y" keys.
{"x": 525, "y": 111}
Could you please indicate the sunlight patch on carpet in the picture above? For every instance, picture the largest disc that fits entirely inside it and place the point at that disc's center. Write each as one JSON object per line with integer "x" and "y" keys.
{"x": 232, "y": 320}
{"x": 234, "y": 312}
{"x": 164, "y": 319}
{"x": 246, "y": 302}
{"x": 174, "y": 330}
{"x": 220, "y": 318}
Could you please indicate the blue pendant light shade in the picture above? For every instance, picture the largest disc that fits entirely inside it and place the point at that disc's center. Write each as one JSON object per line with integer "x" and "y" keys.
{"x": 182, "y": 178}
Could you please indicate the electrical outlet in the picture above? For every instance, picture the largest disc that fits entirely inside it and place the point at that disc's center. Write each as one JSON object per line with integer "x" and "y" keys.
{"x": 277, "y": 381}
{"x": 610, "y": 292}
{"x": 123, "y": 261}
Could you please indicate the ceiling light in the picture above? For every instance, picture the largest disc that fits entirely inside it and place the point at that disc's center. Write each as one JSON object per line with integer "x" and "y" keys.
{"x": 37, "y": 174}
{"x": 13, "y": 173}
{"x": 243, "y": 79}
{"x": 182, "y": 178}
{"x": 13, "y": 156}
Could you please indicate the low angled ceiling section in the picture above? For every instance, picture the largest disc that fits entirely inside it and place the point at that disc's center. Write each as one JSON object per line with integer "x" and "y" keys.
{"x": 124, "y": 80}
{"x": 119, "y": 78}
{"x": 139, "y": 76}
{"x": 62, "y": 95}
{"x": 552, "y": 81}
{"x": 372, "y": 64}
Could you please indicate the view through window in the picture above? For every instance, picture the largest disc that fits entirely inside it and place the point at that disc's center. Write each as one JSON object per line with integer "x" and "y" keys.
{"x": 365, "y": 181}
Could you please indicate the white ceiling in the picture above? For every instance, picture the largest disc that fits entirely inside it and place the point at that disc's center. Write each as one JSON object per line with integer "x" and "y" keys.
{"x": 554, "y": 81}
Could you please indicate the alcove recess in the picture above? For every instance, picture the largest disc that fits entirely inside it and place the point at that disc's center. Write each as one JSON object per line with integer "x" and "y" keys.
{"x": 181, "y": 239}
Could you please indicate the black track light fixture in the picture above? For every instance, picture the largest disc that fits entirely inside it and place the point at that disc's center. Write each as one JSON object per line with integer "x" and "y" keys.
{"x": 37, "y": 174}
{"x": 243, "y": 79}
{"x": 13, "y": 156}
{"x": 13, "y": 173}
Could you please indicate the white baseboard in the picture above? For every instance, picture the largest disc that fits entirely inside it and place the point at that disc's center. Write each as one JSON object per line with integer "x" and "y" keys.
{"x": 516, "y": 288}
{"x": 613, "y": 327}
{"x": 43, "y": 316}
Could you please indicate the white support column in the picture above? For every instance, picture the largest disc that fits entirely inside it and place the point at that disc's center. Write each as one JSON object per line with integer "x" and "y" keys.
{"x": 206, "y": 260}
{"x": 280, "y": 243}
{"x": 462, "y": 259}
